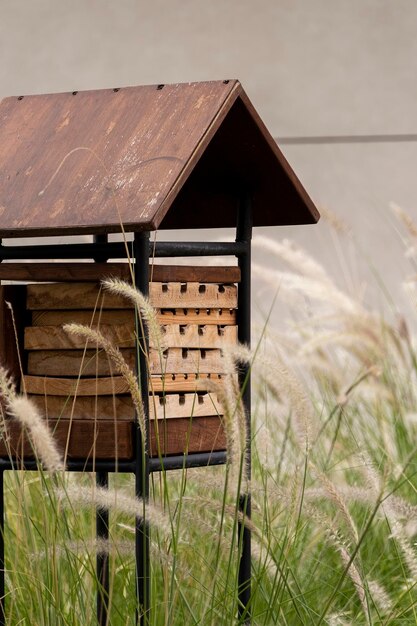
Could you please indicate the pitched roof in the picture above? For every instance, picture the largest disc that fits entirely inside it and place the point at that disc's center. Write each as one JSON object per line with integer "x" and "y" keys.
{"x": 158, "y": 156}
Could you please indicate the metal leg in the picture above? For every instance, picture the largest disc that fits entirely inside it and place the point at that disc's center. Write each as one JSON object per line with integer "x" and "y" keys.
{"x": 2, "y": 586}
{"x": 243, "y": 235}
{"x": 102, "y": 532}
{"x": 141, "y": 256}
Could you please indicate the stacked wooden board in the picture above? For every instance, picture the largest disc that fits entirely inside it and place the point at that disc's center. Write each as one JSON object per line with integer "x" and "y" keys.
{"x": 85, "y": 399}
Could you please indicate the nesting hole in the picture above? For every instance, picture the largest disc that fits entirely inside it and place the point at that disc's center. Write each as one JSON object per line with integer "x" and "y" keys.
{"x": 202, "y": 289}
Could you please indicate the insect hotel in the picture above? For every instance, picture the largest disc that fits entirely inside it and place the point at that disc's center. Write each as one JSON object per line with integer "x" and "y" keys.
{"x": 140, "y": 161}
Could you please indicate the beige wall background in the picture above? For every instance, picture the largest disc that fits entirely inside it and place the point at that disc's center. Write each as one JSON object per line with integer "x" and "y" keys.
{"x": 311, "y": 67}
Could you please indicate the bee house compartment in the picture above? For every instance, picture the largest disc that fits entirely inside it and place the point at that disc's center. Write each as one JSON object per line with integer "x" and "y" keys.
{"x": 78, "y": 388}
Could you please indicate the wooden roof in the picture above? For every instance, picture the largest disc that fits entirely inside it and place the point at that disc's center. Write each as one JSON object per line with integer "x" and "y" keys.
{"x": 158, "y": 156}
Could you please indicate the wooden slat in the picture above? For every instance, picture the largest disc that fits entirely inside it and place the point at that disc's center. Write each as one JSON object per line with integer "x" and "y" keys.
{"x": 121, "y": 407}
{"x": 94, "y": 272}
{"x": 224, "y": 317}
{"x": 171, "y": 383}
{"x": 55, "y": 337}
{"x": 41, "y": 385}
{"x": 162, "y": 296}
{"x": 203, "y": 434}
{"x": 71, "y": 362}
{"x": 183, "y": 361}
{"x": 198, "y": 336}
{"x": 85, "y": 407}
{"x": 87, "y": 439}
{"x": 176, "y": 383}
{"x": 174, "y": 406}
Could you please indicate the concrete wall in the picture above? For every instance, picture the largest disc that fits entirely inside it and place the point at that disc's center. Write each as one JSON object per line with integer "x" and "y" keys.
{"x": 310, "y": 67}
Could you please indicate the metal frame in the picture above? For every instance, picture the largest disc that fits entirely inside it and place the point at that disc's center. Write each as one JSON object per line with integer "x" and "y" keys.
{"x": 142, "y": 466}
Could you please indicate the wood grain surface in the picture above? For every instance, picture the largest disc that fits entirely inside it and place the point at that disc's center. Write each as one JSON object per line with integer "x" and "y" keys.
{"x": 94, "y": 272}
{"x": 162, "y": 296}
{"x": 92, "y": 408}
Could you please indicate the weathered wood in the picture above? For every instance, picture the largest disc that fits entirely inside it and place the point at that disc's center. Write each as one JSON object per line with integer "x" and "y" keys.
{"x": 103, "y": 439}
{"x": 162, "y": 296}
{"x": 85, "y": 407}
{"x": 184, "y": 361}
{"x": 115, "y": 385}
{"x": 203, "y": 434}
{"x": 11, "y": 338}
{"x": 174, "y": 406}
{"x": 224, "y": 317}
{"x": 41, "y": 385}
{"x": 169, "y": 406}
{"x": 123, "y": 336}
{"x": 94, "y": 272}
{"x": 74, "y": 362}
{"x": 56, "y": 338}
{"x": 106, "y": 439}
{"x": 176, "y": 383}
{"x": 197, "y": 336}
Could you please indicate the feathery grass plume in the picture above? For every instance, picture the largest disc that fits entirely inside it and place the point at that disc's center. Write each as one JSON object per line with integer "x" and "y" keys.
{"x": 287, "y": 251}
{"x": 380, "y": 596}
{"x": 116, "y": 356}
{"x": 112, "y": 499}
{"x": 28, "y": 416}
{"x": 142, "y": 304}
{"x": 405, "y": 218}
{"x": 290, "y": 283}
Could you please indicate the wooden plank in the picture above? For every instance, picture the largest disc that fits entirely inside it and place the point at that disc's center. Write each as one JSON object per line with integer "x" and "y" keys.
{"x": 86, "y": 407}
{"x": 184, "y": 361}
{"x": 198, "y": 336}
{"x": 94, "y": 272}
{"x": 171, "y": 383}
{"x": 174, "y": 406}
{"x": 176, "y": 383}
{"x": 162, "y": 296}
{"x": 41, "y": 385}
{"x": 103, "y": 439}
{"x": 72, "y": 362}
{"x": 121, "y": 407}
{"x": 225, "y": 317}
{"x": 11, "y": 342}
{"x": 203, "y": 434}
{"x": 55, "y": 337}
{"x": 89, "y": 440}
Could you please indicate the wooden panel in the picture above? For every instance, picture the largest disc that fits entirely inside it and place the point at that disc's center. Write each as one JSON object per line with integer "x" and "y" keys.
{"x": 174, "y": 406}
{"x": 186, "y": 361}
{"x": 121, "y": 407}
{"x": 10, "y": 344}
{"x": 198, "y": 336}
{"x": 86, "y": 407}
{"x": 40, "y": 385}
{"x": 112, "y": 157}
{"x": 204, "y": 434}
{"x": 162, "y": 296}
{"x": 87, "y": 439}
{"x": 55, "y": 337}
{"x": 70, "y": 362}
{"x": 172, "y": 383}
{"x": 94, "y": 272}
{"x": 224, "y": 317}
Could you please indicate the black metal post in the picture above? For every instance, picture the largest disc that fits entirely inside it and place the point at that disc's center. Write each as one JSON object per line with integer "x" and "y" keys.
{"x": 102, "y": 516}
{"x": 141, "y": 257}
{"x": 244, "y": 235}
{"x": 102, "y": 532}
{"x": 2, "y": 564}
